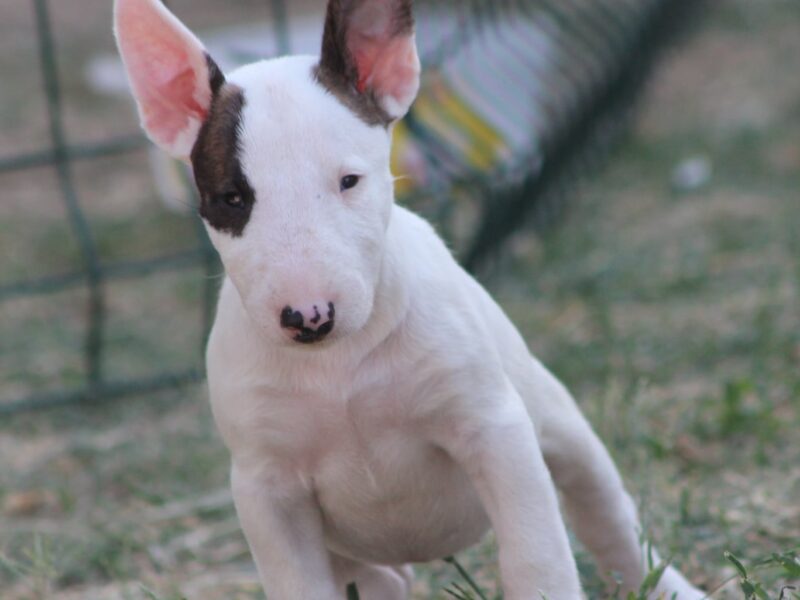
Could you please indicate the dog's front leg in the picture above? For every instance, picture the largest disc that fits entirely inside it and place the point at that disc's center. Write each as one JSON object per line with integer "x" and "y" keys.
{"x": 283, "y": 527}
{"x": 499, "y": 450}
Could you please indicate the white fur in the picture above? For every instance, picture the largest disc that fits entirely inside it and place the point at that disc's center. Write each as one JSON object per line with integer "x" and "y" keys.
{"x": 422, "y": 420}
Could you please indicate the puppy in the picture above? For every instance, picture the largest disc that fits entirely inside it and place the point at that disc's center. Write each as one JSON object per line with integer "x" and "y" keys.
{"x": 379, "y": 407}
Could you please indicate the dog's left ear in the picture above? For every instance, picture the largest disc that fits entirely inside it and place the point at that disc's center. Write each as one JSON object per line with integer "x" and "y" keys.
{"x": 369, "y": 57}
{"x": 172, "y": 77}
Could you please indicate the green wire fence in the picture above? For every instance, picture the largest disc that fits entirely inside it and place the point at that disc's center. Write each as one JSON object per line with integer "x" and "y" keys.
{"x": 520, "y": 100}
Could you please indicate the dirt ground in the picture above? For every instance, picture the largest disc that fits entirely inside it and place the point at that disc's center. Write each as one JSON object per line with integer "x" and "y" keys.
{"x": 669, "y": 303}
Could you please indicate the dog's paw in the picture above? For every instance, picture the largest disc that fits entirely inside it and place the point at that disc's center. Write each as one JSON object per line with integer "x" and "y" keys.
{"x": 673, "y": 585}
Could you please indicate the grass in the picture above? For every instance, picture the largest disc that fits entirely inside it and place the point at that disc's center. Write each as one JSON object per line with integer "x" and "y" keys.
{"x": 786, "y": 563}
{"x": 673, "y": 316}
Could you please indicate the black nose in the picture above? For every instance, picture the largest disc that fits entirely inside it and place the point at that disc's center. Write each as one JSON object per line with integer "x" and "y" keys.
{"x": 308, "y": 328}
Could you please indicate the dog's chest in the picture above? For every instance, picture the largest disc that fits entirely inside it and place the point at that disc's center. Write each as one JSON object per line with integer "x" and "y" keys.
{"x": 370, "y": 437}
{"x": 386, "y": 493}
{"x": 361, "y": 439}
{"x": 377, "y": 476}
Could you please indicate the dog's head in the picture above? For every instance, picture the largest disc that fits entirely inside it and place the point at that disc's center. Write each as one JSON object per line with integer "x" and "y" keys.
{"x": 290, "y": 156}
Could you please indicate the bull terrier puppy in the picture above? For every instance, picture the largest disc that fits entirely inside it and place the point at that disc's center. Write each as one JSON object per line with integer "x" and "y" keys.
{"x": 379, "y": 407}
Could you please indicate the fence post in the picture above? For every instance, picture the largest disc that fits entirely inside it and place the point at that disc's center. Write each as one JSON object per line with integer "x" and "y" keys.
{"x": 78, "y": 222}
{"x": 281, "y": 26}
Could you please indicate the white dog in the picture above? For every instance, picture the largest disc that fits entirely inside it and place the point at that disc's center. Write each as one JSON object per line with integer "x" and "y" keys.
{"x": 379, "y": 407}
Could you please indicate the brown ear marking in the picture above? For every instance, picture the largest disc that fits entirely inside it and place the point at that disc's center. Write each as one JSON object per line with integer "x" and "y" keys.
{"x": 337, "y": 70}
{"x": 216, "y": 157}
{"x": 217, "y": 165}
{"x": 215, "y": 77}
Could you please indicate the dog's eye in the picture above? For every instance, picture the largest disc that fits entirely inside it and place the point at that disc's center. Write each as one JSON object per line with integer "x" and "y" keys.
{"x": 232, "y": 199}
{"x": 349, "y": 182}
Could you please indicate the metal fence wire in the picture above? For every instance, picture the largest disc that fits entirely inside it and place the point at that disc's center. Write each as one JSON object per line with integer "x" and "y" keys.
{"x": 519, "y": 100}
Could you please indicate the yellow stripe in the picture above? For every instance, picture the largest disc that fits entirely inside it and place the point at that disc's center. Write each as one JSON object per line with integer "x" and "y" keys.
{"x": 450, "y": 117}
{"x": 463, "y": 114}
{"x": 427, "y": 112}
{"x": 400, "y": 144}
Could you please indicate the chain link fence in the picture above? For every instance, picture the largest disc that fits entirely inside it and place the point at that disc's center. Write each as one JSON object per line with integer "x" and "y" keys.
{"x": 520, "y": 99}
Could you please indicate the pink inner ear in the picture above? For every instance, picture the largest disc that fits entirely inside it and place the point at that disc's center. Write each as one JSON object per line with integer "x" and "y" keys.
{"x": 168, "y": 72}
{"x": 389, "y": 67}
{"x": 366, "y": 55}
{"x": 168, "y": 97}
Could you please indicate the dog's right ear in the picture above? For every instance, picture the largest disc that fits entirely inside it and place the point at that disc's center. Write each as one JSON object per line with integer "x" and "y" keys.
{"x": 172, "y": 77}
{"x": 369, "y": 57}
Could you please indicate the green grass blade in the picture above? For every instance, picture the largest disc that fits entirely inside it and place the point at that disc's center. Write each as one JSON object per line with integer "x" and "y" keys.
{"x": 463, "y": 572}
{"x": 352, "y": 592}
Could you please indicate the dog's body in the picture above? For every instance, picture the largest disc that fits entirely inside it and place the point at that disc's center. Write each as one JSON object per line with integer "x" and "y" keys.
{"x": 362, "y": 425}
{"x": 379, "y": 407}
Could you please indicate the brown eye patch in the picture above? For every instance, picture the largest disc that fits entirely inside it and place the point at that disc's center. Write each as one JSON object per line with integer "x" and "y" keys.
{"x": 226, "y": 198}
